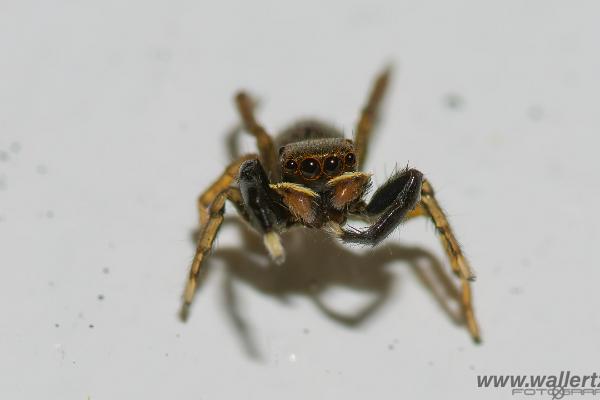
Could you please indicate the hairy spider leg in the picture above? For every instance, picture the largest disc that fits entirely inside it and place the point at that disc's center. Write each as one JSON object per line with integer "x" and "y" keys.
{"x": 368, "y": 116}
{"x": 208, "y": 232}
{"x": 227, "y": 177}
{"x": 398, "y": 200}
{"x": 388, "y": 207}
{"x": 429, "y": 207}
{"x": 264, "y": 206}
{"x": 264, "y": 141}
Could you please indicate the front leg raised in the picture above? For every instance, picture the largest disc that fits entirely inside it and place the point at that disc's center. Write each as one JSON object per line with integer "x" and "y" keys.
{"x": 390, "y": 205}
{"x": 263, "y": 206}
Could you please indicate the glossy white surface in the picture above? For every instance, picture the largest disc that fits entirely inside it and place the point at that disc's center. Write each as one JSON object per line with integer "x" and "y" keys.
{"x": 113, "y": 117}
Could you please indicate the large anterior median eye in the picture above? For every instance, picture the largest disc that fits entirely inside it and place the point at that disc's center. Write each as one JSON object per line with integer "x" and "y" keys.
{"x": 332, "y": 166}
{"x": 310, "y": 168}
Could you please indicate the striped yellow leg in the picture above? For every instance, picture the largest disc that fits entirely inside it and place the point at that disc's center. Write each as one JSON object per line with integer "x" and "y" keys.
{"x": 218, "y": 186}
{"x": 264, "y": 142}
{"x": 428, "y": 206}
{"x": 368, "y": 116}
{"x": 208, "y": 232}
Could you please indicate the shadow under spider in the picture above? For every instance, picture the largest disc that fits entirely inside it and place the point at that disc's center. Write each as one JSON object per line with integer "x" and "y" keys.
{"x": 316, "y": 262}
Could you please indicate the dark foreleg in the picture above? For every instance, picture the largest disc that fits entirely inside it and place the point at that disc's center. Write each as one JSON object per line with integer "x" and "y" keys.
{"x": 263, "y": 206}
{"x": 389, "y": 205}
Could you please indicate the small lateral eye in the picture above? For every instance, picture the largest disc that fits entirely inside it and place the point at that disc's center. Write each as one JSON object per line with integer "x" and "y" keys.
{"x": 350, "y": 159}
{"x": 290, "y": 166}
{"x": 332, "y": 166}
{"x": 310, "y": 168}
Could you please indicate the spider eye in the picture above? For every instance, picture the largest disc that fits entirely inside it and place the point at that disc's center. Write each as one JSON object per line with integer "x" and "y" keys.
{"x": 310, "y": 168}
{"x": 332, "y": 166}
{"x": 350, "y": 159}
{"x": 290, "y": 166}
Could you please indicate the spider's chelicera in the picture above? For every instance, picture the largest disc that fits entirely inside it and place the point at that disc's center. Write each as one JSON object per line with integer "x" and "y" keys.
{"x": 310, "y": 175}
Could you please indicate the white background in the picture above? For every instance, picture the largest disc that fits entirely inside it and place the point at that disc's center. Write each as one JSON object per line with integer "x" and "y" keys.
{"x": 114, "y": 115}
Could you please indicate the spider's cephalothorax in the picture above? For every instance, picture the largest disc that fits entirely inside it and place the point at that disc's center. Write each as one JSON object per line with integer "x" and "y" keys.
{"x": 319, "y": 182}
{"x": 310, "y": 175}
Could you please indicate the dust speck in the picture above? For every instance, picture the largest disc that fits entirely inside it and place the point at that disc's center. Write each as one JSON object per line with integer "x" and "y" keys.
{"x": 100, "y": 297}
{"x": 306, "y": 331}
{"x": 535, "y": 113}
{"x": 472, "y": 367}
{"x": 91, "y": 326}
{"x": 60, "y": 349}
{"x": 162, "y": 54}
{"x": 390, "y": 347}
{"x": 105, "y": 270}
{"x": 516, "y": 290}
{"x": 15, "y": 147}
{"x": 57, "y": 325}
{"x": 41, "y": 169}
{"x": 49, "y": 214}
{"x": 3, "y": 155}
{"x": 454, "y": 101}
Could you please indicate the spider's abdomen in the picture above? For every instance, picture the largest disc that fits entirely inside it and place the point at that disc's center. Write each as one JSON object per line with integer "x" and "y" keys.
{"x": 303, "y": 130}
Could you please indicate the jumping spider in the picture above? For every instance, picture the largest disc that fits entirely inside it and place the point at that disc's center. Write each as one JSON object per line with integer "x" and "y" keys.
{"x": 310, "y": 175}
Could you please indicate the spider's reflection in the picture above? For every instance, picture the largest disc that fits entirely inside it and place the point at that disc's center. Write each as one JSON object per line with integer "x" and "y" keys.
{"x": 316, "y": 262}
